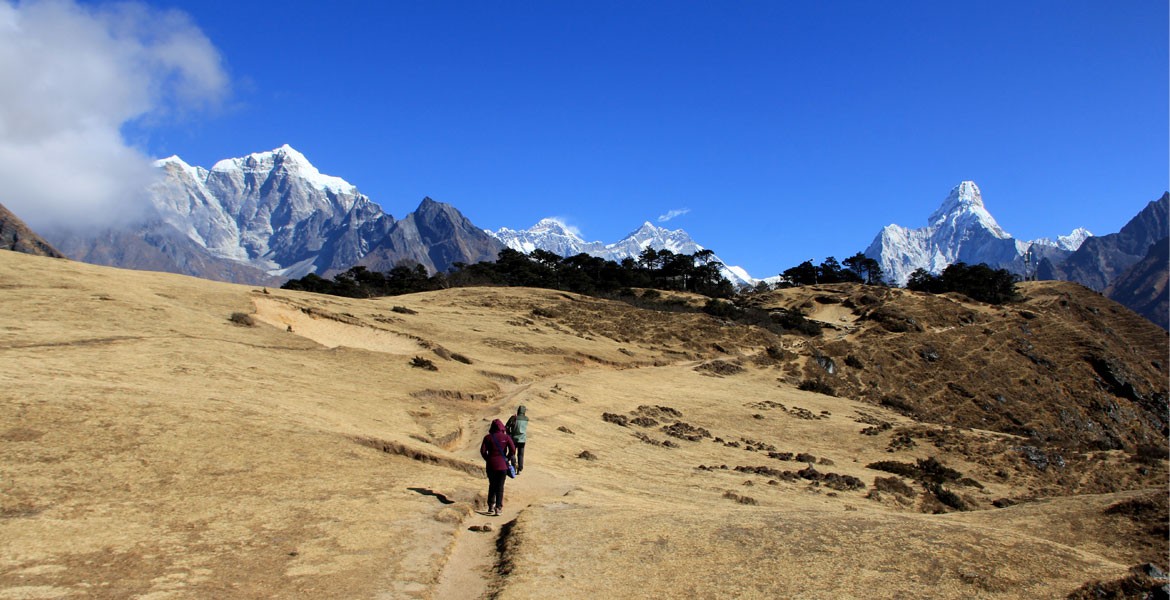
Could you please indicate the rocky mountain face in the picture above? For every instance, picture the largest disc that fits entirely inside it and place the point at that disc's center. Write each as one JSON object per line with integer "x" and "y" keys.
{"x": 272, "y": 215}
{"x": 15, "y": 235}
{"x": 962, "y": 230}
{"x": 1143, "y": 287}
{"x": 1101, "y": 260}
{"x": 552, "y": 236}
{"x": 435, "y": 235}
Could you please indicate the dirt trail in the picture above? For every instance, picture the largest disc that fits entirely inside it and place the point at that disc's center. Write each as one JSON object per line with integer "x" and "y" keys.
{"x": 470, "y": 568}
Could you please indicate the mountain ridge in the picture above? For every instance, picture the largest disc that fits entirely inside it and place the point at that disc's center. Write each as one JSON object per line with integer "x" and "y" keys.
{"x": 16, "y": 235}
{"x": 962, "y": 230}
{"x": 270, "y": 216}
{"x": 552, "y": 235}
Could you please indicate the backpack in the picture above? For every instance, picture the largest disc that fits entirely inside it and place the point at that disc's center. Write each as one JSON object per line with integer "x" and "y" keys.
{"x": 516, "y": 428}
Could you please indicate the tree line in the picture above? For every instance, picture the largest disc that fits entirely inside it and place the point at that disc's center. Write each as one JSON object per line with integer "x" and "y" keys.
{"x": 978, "y": 282}
{"x": 699, "y": 273}
{"x": 584, "y": 274}
{"x": 858, "y": 268}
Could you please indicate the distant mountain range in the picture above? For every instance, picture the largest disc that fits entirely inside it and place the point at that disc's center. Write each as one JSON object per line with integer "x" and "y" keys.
{"x": 552, "y": 236}
{"x": 270, "y": 216}
{"x": 1125, "y": 266}
{"x": 961, "y": 230}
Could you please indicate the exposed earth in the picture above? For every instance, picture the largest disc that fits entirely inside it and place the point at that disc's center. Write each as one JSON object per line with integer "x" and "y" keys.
{"x": 169, "y": 437}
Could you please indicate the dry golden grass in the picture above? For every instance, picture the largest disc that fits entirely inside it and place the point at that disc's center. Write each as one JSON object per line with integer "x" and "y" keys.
{"x": 151, "y": 447}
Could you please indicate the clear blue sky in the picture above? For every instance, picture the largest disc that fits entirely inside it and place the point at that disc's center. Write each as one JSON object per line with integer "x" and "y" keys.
{"x": 790, "y": 130}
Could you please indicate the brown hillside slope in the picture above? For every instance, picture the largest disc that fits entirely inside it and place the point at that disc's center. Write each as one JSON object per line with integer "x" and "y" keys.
{"x": 16, "y": 235}
{"x": 168, "y": 437}
{"x": 1066, "y": 366}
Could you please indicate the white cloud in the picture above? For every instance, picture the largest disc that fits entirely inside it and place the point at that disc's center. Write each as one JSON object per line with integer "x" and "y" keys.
{"x": 563, "y": 221}
{"x": 73, "y": 76}
{"x": 678, "y": 212}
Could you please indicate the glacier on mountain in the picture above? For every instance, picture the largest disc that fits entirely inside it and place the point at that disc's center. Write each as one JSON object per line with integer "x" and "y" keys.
{"x": 962, "y": 230}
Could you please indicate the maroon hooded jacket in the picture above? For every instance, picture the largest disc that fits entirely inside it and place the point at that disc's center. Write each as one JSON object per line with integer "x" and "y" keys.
{"x": 488, "y": 451}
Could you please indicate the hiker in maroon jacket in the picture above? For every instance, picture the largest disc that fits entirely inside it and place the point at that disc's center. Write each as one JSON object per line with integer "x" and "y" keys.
{"x": 497, "y": 451}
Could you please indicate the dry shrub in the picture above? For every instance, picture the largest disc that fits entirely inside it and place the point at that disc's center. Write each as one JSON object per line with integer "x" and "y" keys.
{"x": 243, "y": 319}
{"x": 587, "y": 455}
{"x": 564, "y": 429}
{"x": 719, "y": 368}
{"x": 419, "y": 362}
{"x": 658, "y": 412}
{"x": 947, "y": 497}
{"x": 621, "y": 420}
{"x": 893, "y": 485}
{"x": 817, "y": 385}
{"x": 730, "y": 495}
{"x": 460, "y": 358}
{"x": 547, "y": 313}
{"x": 685, "y": 431}
{"x": 403, "y": 310}
{"x": 1138, "y": 584}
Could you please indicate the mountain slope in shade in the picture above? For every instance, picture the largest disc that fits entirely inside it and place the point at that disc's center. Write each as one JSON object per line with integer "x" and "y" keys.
{"x": 1143, "y": 287}
{"x": 436, "y": 236}
{"x": 553, "y": 236}
{"x": 159, "y": 247}
{"x": 962, "y": 230}
{"x": 1101, "y": 260}
{"x": 15, "y": 235}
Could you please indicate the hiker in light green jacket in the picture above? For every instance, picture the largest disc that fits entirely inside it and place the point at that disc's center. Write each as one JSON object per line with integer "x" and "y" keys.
{"x": 517, "y": 428}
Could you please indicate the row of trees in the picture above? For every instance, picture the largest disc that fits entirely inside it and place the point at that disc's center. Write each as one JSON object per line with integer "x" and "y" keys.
{"x": 858, "y": 268}
{"x": 657, "y": 269}
{"x": 582, "y": 273}
{"x": 979, "y": 282}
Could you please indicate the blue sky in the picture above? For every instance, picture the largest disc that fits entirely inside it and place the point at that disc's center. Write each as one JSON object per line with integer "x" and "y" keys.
{"x": 785, "y": 130}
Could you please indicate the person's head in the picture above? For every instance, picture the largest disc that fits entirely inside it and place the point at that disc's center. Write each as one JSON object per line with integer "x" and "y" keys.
{"x": 497, "y": 425}
{"x": 521, "y": 410}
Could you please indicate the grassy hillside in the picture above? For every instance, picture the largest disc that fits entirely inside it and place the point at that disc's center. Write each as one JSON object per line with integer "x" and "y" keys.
{"x": 169, "y": 437}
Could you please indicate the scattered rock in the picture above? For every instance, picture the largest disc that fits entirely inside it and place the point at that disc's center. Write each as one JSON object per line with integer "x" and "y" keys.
{"x": 621, "y": 420}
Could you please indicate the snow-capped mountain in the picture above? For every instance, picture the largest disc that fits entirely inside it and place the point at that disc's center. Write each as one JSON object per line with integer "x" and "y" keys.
{"x": 553, "y": 236}
{"x": 273, "y": 210}
{"x": 550, "y": 235}
{"x": 272, "y": 215}
{"x": 962, "y": 230}
{"x": 1071, "y": 242}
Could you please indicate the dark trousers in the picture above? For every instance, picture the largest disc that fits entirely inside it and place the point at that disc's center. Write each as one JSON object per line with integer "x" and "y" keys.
{"x": 519, "y": 456}
{"x": 496, "y": 488}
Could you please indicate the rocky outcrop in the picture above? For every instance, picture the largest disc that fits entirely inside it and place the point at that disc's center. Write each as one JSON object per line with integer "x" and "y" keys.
{"x": 15, "y": 235}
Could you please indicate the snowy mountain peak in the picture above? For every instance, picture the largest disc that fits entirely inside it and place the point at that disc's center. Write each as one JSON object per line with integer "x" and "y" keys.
{"x": 196, "y": 173}
{"x": 962, "y": 209}
{"x": 552, "y": 235}
{"x": 1068, "y": 242}
{"x": 171, "y": 160}
{"x": 291, "y": 160}
{"x": 554, "y": 227}
{"x": 1074, "y": 240}
{"x": 960, "y": 230}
